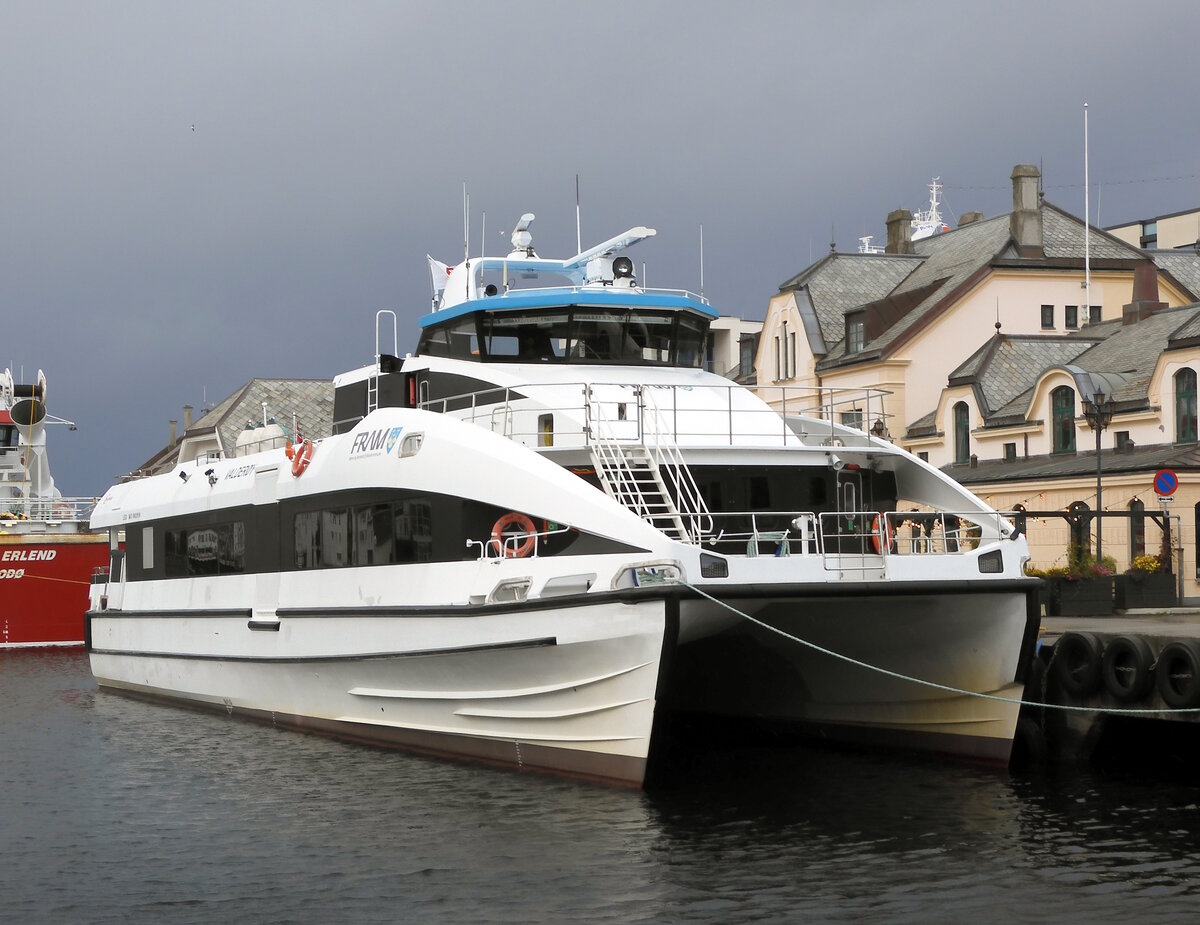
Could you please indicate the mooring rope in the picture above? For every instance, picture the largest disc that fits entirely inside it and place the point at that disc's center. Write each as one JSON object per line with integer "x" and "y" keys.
{"x": 935, "y": 684}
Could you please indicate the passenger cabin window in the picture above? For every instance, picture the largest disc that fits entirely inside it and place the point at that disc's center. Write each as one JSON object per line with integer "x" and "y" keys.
{"x": 219, "y": 549}
{"x": 581, "y": 334}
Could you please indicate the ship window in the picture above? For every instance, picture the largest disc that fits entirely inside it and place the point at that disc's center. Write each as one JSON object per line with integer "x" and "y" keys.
{"x": 8, "y": 435}
{"x": 219, "y": 549}
{"x": 689, "y": 340}
{"x": 147, "y": 548}
{"x": 322, "y": 539}
{"x": 456, "y": 340}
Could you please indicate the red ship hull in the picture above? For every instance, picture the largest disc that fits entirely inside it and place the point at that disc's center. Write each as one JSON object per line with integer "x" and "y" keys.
{"x": 44, "y": 581}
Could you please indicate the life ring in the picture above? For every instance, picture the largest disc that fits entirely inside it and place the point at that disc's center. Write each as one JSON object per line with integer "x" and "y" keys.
{"x": 882, "y": 534}
{"x": 303, "y": 457}
{"x": 1179, "y": 674}
{"x": 525, "y": 527}
{"x": 1077, "y": 663}
{"x": 1127, "y": 668}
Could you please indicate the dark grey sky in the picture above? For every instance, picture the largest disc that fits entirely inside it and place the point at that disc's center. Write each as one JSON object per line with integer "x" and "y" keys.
{"x": 195, "y": 194}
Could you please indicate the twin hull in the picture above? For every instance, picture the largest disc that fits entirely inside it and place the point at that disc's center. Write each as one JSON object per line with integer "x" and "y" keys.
{"x": 574, "y": 686}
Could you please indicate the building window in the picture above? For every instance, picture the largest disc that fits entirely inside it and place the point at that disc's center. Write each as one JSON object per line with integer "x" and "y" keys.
{"x": 853, "y": 419}
{"x": 777, "y": 360}
{"x": 962, "y": 433}
{"x": 923, "y": 456}
{"x": 792, "y": 352}
{"x": 1071, "y": 317}
{"x": 1047, "y": 317}
{"x": 1010, "y": 452}
{"x": 746, "y": 355}
{"x": 1093, "y": 314}
{"x": 856, "y": 336}
{"x": 1185, "y": 406}
{"x": 1150, "y": 235}
{"x": 783, "y": 344}
{"x": 1122, "y": 441}
{"x": 1137, "y": 529}
{"x": 1062, "y": 411}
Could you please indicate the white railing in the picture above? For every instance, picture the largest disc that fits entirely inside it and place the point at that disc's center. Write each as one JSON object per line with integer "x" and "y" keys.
{"x": 47, "y": 510}
{"x": 694, "y": 418}
{"x": 861, "y": 533}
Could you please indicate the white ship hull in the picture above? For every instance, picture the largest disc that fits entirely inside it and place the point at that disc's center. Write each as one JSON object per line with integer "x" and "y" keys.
{"x": 570, "y": 689}
{"x": 957, "y": 642}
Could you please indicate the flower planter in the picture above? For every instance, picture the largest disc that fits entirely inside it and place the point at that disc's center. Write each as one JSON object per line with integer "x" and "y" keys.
{"x": 1153, "y": 590}
{"x": 1081, "y": 596}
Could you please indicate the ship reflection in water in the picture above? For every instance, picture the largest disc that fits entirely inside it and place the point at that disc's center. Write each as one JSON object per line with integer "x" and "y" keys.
{"x": 118, "y": 810}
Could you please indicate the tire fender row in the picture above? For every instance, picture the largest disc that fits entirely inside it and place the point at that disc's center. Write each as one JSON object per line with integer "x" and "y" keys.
{"x": 1129, "y": 668}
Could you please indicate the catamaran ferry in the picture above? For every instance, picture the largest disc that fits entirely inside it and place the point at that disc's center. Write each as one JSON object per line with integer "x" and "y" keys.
{"x": 550, "y": 530}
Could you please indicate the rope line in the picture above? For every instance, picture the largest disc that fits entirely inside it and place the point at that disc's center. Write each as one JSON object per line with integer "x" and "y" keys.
{"x": 934, "y": 684}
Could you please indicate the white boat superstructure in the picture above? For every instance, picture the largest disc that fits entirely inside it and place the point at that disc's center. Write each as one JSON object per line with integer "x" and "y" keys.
{"x": 550, "y": 529}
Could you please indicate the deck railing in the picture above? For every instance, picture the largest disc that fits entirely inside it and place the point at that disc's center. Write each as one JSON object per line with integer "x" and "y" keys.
{"x": 830, "y": 417}
{"x": 48, "y": 510}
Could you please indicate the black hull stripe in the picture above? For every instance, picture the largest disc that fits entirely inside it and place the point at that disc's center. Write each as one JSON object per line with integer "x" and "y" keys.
{"x": 797, "y": 590}
{"x": 359, "y": 657}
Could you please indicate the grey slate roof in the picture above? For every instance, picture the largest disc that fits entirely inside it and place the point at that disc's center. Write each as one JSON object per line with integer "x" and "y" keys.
{"x": 1135, "y": 349}
{"x": 1185, "y": 457}
{"x": 311, "y": 400}
{"x": 949, "y": 260}
{"x": 1183, "y": 265}
{"x": 838, "y": 283}
{"x": 1017, "y": 361}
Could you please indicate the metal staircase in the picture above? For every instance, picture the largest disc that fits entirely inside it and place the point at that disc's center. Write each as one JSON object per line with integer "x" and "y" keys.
{"x": 649, "y": 477}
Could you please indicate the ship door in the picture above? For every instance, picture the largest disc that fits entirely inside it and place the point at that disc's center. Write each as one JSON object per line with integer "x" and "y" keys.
{"x": 266, "y": 582}
{"x": 850, "y": 504}
{"x": 114, "y": 594}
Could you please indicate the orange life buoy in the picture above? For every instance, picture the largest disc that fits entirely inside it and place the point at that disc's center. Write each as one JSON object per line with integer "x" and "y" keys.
{"x": 881, "y": 533}
{"x": 302, "y": 458}
{"x": 526, "y": 529}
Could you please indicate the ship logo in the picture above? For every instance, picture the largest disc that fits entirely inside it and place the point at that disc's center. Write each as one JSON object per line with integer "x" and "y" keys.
{"x": 392, "y": 438}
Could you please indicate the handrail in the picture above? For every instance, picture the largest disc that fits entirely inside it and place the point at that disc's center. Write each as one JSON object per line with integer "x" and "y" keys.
{"x": 688, "y": 499}
{"x": 45, "y": 510}
{"x": 708, "y": 402}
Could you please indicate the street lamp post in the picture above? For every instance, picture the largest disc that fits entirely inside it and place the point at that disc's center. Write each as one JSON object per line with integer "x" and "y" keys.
{"x": 1099, "y": 413}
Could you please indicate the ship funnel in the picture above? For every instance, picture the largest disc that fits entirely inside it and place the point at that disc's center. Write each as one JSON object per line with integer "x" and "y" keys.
{"x": 28, "y": 412}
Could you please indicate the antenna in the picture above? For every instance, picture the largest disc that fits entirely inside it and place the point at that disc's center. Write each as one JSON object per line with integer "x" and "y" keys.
{"x": 483, "y": 236}
{"x": 701, "y": 261}
{"x": 578, "y": 231}
{"x": 466, "y": 223}
{"x": 1087, "y": 251}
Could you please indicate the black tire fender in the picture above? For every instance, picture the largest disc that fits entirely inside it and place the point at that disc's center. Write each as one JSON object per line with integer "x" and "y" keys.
{"x": 1127, "y": 668}
{"x": 1178, "y": 674}
{"x": 1077, "y": 663}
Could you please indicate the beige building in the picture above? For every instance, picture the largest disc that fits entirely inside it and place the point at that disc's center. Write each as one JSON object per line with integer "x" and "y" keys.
{"x": 1165, "y": 232}
{"x": 988, "y": 340}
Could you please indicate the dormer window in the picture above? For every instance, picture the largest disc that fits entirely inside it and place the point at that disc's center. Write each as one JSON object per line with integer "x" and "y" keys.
{"x": 856, "y": 334}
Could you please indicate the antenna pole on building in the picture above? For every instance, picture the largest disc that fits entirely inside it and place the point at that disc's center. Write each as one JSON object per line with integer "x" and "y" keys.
{"x": 1087, "y": 226}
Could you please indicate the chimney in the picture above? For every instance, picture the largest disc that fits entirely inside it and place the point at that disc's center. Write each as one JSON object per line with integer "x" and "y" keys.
{"x": 970, "y": 218}
{"x": 187, "y": 418}
{"x": 1145, "y": 294}
{"x": 171, "y": 425}
{"x": 1025, "y": 222}
{"x": 899, "y": 232}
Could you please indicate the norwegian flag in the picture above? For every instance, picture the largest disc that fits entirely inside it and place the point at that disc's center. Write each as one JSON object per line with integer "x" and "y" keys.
{"x": 439, "y": 273}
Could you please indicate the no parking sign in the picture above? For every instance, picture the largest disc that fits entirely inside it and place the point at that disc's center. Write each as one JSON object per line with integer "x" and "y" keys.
{"x": 1165, "y": 483}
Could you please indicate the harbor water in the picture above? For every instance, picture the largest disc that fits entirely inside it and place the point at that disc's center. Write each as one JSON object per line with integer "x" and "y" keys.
{"x": 116, "y": 810}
